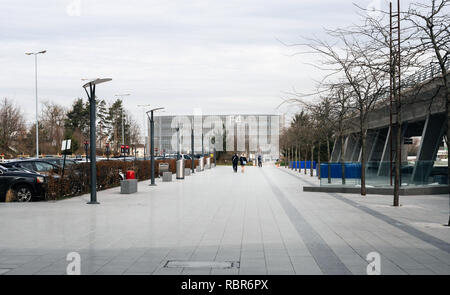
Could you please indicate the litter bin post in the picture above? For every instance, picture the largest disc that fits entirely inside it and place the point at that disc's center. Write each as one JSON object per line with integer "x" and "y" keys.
{"x": 180, "y": 169}
{"x": 208, "y": 163}
{"x": 201, "y": 163}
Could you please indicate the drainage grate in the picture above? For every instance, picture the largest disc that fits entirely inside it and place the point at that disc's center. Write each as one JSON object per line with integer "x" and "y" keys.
{"x": 201, "y": 264}
{"x": 4, "y": 270}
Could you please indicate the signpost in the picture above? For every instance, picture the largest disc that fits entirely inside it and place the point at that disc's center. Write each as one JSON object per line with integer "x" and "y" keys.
{"x": 65, "y": 146}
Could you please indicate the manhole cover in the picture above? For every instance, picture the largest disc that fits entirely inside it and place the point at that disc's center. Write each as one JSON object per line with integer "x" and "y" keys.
{"x": 201, "y": 264}
{"x": 4, "y": 270}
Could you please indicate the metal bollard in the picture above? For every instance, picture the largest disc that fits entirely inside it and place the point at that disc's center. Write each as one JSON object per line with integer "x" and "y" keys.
{"x": 180, "y": 169}
{"x": 201, "y": 162}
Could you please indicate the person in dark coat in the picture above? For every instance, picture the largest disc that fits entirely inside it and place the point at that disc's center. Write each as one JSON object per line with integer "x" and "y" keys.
{"x": 243, "y": 161}
{"x": 235, "y": 160}
{"x": 259, "y": 160}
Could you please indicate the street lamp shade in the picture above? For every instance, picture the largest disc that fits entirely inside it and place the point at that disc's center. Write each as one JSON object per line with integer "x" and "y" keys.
{"x": 35, "y": 53}
{"x": 157, "y": 109}
{"x": 96, "y": 81}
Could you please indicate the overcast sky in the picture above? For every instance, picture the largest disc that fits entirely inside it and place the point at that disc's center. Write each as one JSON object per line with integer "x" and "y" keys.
{"x": 222, "y": 56}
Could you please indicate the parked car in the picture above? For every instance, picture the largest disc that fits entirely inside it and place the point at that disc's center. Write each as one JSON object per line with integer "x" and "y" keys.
{"x": 60, "y": 161}
{"x": 41, "y": 166}
{"x": 24, "y": 184}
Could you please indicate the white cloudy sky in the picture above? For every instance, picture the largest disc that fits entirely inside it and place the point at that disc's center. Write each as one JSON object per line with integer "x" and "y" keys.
{"x": 220, "y": 55}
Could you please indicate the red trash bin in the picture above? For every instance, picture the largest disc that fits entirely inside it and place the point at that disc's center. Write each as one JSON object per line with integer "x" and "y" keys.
{"x": 130, "y": 175}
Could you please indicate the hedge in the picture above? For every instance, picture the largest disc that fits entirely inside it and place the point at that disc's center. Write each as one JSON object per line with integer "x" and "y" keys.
{"x": 76, "y": 180}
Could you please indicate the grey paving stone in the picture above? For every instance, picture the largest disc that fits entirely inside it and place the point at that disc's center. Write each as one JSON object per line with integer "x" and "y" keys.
{"x": 245, "y": 219}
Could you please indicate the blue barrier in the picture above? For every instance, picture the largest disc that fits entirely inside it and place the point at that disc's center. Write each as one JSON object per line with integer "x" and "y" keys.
{"x": 301, "y": 164}
{"x": 352, "y": 170}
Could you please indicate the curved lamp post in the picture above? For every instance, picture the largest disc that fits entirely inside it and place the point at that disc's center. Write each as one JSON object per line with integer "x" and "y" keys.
{"x": 152, "y": 144}
{"x": 91, "y": 96}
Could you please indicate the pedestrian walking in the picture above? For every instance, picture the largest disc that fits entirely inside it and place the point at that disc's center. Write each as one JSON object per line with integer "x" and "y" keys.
{"x": 243, "y": 161}
{"x": 259, "y": 161}
{"x": 235, "y": 161}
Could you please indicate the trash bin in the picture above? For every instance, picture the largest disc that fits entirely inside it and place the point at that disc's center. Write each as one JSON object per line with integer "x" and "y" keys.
{"x": 130, "y": 175}
{"x": 180, "y": 169}
{"x": 208, "y": 163}
{"x": 201, "y": 163}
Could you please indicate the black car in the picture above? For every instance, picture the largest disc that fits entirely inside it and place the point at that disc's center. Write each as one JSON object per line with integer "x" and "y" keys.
{"x": 23, "y": 183}
{"x": 41, "y": 166}
{"x": 60, "y": 161}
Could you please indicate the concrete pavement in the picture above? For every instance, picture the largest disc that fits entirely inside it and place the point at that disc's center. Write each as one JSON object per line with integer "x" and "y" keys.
{"x": 260, "y": 220}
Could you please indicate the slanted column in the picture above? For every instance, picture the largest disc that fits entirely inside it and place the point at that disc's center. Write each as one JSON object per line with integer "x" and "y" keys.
{"x": 336, "y": 153}
{"x": 432, "y": 133}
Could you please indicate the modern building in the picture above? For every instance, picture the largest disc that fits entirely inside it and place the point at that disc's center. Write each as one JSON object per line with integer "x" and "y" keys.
{"x": 252, "y": 134}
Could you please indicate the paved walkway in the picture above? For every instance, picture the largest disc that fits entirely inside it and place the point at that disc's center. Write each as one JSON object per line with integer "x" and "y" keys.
{"x": 261, "y": 219}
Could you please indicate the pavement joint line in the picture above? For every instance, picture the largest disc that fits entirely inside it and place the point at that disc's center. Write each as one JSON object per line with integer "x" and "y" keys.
{"x": 436, "y": 242}
{"x": 326, "y": 259}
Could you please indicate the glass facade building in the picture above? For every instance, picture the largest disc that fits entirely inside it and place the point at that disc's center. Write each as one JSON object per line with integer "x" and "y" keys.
{"x": 245, "y": 133}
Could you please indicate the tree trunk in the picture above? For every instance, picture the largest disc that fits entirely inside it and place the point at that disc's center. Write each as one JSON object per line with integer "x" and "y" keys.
{"x": 289, "y": 158}
{"x": 306, "y": 158}
{"x": 342, "y": 160}
{"x": 363, "y": 163}
{"x": 312, "y": 159}
{"x": 299, "y": 159}
{"x": 318, "y": 161}
{"x": 329, "y": 160}
{"x": 398, "y": 158}
{"x": 296, "y": 157}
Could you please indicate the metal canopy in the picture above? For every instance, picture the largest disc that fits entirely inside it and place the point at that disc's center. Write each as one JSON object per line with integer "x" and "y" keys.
{"x": 155, "y": 110}
{"x": 96, "y": 81}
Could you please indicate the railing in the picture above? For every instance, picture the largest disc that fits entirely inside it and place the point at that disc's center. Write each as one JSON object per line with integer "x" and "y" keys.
{"x": 431, "y": 71}
{"x": 425, "y": 74}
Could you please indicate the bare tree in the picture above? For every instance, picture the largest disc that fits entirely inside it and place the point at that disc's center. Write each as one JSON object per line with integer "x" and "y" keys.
{"x": 52, "y": 123}
{"x": 353, "y": 60}
{"x": 432, "y": 23}
{"x": 12, "y": 127}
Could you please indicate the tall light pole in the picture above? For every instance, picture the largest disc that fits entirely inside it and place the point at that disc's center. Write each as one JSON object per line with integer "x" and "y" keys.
{"x": 143, "y": 106}
{"x": 123, "y": 129}
{"x": 91, "y": 96}
{"x": 152, "y": 144}
{"x": 36, "y": 91}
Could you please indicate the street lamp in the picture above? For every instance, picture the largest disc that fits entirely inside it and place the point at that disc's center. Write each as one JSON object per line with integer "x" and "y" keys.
{"x": 143, "y": 106}
{"x": 152, "y": 145}
{"x": 36, "y": 91}
{"x": 91, "y": 96}
{"x": 123, "y": 132}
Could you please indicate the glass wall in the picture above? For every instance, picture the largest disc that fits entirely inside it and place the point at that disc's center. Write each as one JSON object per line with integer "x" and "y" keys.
{"x": 378, "y": 174}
